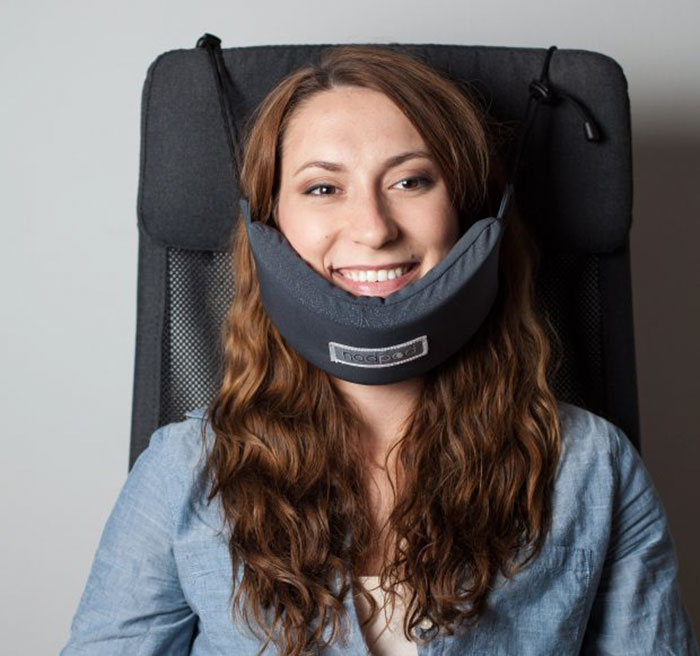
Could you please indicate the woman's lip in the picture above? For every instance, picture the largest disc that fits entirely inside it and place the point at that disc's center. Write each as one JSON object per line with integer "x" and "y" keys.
{"x": 383, "y": 288}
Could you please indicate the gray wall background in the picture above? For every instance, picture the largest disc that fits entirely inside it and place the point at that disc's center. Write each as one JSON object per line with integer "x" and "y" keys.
{"x": 71, "y": 74}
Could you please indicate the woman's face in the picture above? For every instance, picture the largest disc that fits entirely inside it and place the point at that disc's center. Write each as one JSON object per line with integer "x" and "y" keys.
{"x": 360, "y": 195}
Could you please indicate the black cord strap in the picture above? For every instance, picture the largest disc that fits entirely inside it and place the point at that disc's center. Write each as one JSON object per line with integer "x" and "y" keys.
{"x": 548, "y": 95}
{"x": 226, "y": 91}
{"x": 542, "y": 92}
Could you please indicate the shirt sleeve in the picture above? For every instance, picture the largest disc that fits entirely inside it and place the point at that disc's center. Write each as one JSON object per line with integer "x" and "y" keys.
{"x": 133, "y": 603}
{"x": 637, "y": 610}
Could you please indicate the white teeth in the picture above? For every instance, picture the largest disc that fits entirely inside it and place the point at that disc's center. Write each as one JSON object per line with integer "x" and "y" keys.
{"x": 375, "y": 276}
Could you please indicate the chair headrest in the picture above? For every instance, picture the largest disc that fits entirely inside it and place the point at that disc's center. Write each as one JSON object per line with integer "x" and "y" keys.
{"x": 576, "y": 195}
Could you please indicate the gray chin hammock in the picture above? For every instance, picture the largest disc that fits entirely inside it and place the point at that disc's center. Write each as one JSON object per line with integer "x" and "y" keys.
{"x": 370, "y": 339}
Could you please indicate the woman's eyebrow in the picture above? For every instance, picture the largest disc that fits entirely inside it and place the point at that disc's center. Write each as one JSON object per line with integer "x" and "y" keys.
{"x": 391, "y": 162}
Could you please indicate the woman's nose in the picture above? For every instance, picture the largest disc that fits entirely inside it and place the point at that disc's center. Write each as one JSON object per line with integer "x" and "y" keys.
{"x": 371, "y": 223}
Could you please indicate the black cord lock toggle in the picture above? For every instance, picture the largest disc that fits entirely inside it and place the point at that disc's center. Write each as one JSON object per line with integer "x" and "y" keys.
{"x": 542, "y": 92}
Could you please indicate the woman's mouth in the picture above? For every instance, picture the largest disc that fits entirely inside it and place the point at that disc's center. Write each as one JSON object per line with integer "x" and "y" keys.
{"x": 375, "y": 282}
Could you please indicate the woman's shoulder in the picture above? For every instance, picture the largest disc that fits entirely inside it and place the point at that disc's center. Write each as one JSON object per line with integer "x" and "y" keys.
{"x": 594, "y": 450}
{"x": 176, "y": 454}
{"x": 174, "y": 464}
{"x": 182, "y": 442}
{"x": 608, "y": 516}
{"x": 598, "y": 474}
{"x": 590, "y": 439}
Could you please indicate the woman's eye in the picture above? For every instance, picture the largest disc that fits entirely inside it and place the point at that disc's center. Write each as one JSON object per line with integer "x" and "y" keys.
{"x": 320, "y": 190}
{"x": 413, "y": 183}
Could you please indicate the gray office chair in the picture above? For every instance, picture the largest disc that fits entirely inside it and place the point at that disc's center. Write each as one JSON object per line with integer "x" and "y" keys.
{"x": 575, "y": 194}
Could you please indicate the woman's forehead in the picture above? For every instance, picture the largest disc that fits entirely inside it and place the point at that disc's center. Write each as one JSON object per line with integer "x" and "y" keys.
{"x": 348, "y": 121}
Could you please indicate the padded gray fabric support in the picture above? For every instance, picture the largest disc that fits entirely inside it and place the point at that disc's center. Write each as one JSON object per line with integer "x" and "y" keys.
{"x": 443, "y": 309}
{"x": 576, "y": 195}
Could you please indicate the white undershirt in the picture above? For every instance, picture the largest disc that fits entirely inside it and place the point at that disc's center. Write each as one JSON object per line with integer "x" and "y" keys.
{"x": 384, "y": 635}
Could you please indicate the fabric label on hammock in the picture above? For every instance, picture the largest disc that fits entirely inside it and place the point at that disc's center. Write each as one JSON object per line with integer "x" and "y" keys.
{"x": 388, "y": 356}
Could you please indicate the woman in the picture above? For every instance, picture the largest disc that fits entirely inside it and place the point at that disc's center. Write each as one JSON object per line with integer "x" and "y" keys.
{"x": 485, "y": 515}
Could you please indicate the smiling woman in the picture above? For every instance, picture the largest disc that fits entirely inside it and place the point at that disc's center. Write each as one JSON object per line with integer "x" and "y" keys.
{"x": 490, "y": 517}
{"x": 370, "y": 198}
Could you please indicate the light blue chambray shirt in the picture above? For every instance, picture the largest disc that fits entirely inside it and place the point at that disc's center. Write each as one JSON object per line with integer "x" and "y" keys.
{"x": 605, "y": 582}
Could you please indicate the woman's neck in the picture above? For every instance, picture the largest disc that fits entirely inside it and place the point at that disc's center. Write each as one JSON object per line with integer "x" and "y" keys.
{"x": 383, "y": 410}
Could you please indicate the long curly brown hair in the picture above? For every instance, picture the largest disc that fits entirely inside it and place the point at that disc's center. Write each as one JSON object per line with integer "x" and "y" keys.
{"x": 478, "y": 453}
